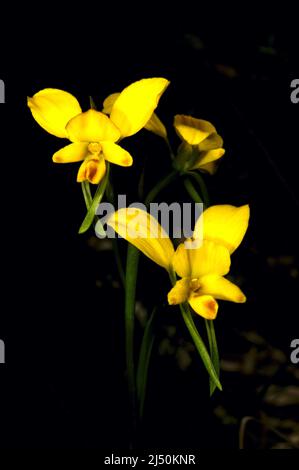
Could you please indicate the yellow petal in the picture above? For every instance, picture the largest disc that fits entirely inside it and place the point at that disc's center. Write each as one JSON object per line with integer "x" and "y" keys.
{"x": 179, "y": 293}
{"x": 109, "y": 102}
{"x": 210, "y": 168}
{"x": 71, "y": 153}
{"x": 92, "y": 169}
{"x": 192, "y": 130}
{"x": 221, "y": 288}
{"x": 156, "y": 126}
{"x": 116, "y": 154}
{"x": 204, "y": 305}
{"x": 135, "y": 105}
{"x": 143, "y": 231}
{"x": 209, "y": 258}
{"x": 52, "y": 109}
{"x": 180, "y": 261}
{"x": 92, "y": 126}
{"x": 213, "y": 141}
{"x": 223, "y": 224}
{"x": 208, "y": 157}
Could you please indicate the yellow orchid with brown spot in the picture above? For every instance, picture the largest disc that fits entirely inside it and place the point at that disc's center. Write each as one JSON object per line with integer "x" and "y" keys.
{"x": 201, "y": 145}
{"x": 93, "y": 134}
{"x": 202, "y": 266}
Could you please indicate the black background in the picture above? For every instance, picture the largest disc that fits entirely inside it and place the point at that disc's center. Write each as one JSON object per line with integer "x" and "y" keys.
{"x": 63, "y": 384}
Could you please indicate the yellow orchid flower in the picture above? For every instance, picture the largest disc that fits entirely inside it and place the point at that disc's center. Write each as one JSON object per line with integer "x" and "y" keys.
{"x": 201, "y": 146}
{"x": 92, "y": 133}
{"x": 203, "y": 268}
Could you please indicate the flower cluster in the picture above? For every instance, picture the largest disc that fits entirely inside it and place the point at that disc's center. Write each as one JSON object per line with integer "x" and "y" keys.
{"x": 201, "y": 262}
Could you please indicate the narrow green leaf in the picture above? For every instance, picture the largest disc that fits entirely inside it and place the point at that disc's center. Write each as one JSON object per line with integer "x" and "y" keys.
{"x": 99, "y": 229}
{"x": 199, "y": 344}
{"x": 213, "y": 351}
{"x": 144, "y": 360}
{"x": 95, "y": 202}
{"x": 86, "y": 193}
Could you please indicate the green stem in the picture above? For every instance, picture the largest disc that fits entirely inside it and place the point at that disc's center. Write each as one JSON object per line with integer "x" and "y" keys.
{"x": 159, "y": 186}
{"x": 192, "y": 191}
{"x": 202, "y": 185}
{"x": 171, "y": 153}
{"x": 130, "y": 293}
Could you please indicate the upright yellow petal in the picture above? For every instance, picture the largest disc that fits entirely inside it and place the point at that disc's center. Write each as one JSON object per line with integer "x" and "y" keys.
{"x": 213, "y": 141}
{"x": 192, "y": 130}
{"x": 180, "y": 292}
{"x": 135, "y": 105}
{"x": 109, "y": 102}
{"x": 210, "y": 168}
{"x": 209, "y": 258}
{"x": 52, "y": 109}
{"x": 223, "y": 224}
{"x": 92, "y": 126}
{"x": 204, "y": 305}
{"x": 116, "y": 154}
{"x": 71, "y": 153}
{"x": 181, "y": 262}
{"x": 208, "y": 156}
{"x": 221, "y": 288}
{"x": 143, "y": 231}
{"x": 92, "y": 169}
{"x": 156, "y": 126}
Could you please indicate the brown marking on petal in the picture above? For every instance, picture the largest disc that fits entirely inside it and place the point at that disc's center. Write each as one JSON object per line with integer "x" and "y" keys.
{"x": 210, "y": 304}
{"x": 91, "y": 170}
